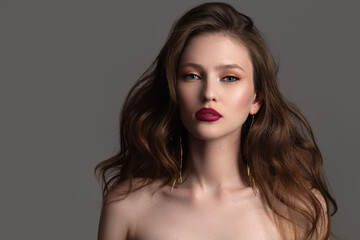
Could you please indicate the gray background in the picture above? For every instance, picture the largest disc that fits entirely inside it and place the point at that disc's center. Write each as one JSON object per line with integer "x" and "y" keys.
{"x": 65, "y": 67}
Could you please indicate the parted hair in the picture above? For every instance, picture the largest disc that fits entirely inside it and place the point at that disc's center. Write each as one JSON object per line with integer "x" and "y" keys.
{"x": 279, "y": 148}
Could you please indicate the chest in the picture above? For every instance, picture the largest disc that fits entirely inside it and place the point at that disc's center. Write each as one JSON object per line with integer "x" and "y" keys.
{"x": 171, "y": 220}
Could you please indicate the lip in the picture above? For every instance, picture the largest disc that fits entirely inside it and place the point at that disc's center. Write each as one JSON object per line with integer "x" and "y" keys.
{"x": 207, "y": 115}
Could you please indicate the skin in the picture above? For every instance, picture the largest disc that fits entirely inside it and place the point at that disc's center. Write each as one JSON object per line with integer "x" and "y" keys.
{"x": 216, "y": 200}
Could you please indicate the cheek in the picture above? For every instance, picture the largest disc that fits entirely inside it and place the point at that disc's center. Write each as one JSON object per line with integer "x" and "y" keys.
{"x": 186, "y": 97}
{"x": 239, "y": 100}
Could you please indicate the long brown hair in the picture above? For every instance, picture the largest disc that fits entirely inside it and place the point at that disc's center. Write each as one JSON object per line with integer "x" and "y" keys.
{"x": 280, "y": 148}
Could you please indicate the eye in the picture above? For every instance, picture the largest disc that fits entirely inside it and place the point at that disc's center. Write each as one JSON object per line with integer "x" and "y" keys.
{"x": 191, "y": 76}
{"x": 230, "y": 79}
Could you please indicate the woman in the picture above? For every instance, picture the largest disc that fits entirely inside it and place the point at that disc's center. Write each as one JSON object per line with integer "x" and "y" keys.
{"x": 210, "y": 149}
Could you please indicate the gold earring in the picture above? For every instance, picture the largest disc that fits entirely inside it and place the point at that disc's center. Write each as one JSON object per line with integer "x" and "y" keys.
{"x": 179, "y": 178}
{"x": 252, "y": 180}
{"x": 252, "y": 122}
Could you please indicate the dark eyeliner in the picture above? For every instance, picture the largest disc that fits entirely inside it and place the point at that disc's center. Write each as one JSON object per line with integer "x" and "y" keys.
{"x": 186, "y": 76}
{"x": 233, "y": 77}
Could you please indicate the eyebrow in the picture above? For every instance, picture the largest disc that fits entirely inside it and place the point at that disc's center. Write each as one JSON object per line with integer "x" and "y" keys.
{"x": 218, "y": 67}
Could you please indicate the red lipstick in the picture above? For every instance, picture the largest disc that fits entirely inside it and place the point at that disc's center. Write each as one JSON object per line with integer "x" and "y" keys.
{"x": 207, "y": 115}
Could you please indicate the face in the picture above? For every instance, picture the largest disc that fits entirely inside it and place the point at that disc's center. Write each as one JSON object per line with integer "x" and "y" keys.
{"x": 215, "y": 73}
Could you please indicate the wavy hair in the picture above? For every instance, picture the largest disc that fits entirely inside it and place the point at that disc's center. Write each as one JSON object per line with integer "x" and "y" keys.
{"x": 280, "y": 148}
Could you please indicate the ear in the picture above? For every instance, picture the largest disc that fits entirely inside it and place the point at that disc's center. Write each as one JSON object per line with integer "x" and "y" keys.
{"x": 257, "y": 103}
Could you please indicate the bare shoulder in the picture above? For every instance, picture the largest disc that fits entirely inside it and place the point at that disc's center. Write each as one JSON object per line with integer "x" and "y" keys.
{"x": 119, "y": 214}
{"x": 320, "y": 213}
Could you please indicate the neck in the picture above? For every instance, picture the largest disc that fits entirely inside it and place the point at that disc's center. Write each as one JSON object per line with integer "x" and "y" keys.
{"x": 215, "y": 165}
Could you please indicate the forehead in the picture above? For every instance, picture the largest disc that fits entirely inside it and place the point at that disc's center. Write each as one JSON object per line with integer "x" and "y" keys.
{"x": 211, "y": 49}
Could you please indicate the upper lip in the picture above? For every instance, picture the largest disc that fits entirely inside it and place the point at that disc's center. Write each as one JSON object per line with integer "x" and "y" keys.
{"x": 205, "y": 110}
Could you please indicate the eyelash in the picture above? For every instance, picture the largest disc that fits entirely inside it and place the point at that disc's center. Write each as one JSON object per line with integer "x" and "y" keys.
{"x": 233, "y": 77}
{"x": 187, "y": 76}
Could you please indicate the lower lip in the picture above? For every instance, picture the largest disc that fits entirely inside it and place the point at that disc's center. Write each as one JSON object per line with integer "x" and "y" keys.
{"x": 207, "y": 118}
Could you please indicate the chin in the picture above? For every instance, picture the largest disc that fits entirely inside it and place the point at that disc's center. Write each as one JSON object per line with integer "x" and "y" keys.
{"x": 208, "y": 134}
{"x": 213, "y": 132}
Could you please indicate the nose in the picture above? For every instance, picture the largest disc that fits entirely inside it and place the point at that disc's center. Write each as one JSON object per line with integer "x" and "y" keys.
{"x": 208, "y": 92}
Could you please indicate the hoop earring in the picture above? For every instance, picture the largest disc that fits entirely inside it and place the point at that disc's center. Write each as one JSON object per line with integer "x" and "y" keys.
{"x": 251, "y": 178}
{"x": 179, "y": 179}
